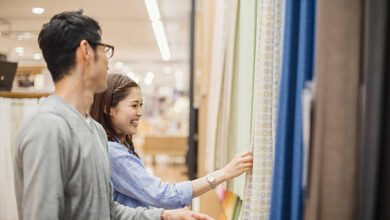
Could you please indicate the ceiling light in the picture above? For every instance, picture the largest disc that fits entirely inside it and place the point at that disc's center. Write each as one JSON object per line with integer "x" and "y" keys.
{"x": 37, "y": 56}
{"x": 25, "y": 36}
{"x": 19, "y": 51}
{"x": 158, "y": 28}
{"x": 38, "y": 11}
{"x": 153, "y": 10}
{"x": 162, "y": 42}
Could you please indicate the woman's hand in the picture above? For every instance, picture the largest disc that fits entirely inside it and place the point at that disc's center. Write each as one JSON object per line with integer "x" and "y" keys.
{"x": 238, "y": 165}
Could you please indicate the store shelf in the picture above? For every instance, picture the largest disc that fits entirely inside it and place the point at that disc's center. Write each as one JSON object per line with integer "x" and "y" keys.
{"x": 22, "y": 95}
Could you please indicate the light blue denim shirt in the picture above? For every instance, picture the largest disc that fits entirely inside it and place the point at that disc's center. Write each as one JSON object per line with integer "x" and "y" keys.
{"x": 135, "y": 187}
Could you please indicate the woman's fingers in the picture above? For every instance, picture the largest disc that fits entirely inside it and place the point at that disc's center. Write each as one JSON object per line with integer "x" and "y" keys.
{"x": 248, "y": 158}
{"x": 243, "y": 154}
{"x": 248, "y": 165}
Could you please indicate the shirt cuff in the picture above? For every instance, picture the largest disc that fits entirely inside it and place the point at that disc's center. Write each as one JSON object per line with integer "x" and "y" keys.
{"x": 185, "y": 192}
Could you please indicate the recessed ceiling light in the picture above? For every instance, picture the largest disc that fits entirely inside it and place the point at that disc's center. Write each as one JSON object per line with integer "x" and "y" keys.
{"x": 19, "y": 50}
{"x": 25, "y": 36}
{"x": 37, "y": 56}
{"x": 38, "y": 11}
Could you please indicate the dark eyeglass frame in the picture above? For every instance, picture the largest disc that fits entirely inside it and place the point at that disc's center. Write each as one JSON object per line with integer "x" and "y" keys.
{"x": 108, "y": 49}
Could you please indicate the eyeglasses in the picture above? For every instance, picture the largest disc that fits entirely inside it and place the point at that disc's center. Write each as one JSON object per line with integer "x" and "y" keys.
{"x": 108, "y": 49}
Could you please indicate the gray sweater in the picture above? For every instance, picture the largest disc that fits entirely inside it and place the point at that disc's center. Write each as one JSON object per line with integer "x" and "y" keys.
{"x": 62, "y": 169}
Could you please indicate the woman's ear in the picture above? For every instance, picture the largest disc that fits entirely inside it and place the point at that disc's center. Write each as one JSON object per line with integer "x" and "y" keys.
{"x": 107, "y": 111}
{"x": 110, "y": 112}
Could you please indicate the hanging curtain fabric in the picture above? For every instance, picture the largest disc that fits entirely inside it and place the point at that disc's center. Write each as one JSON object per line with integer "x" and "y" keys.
{"x": 383, "y": 199}
{"x": 216, "y": 77}
{"x": 12, "y": 112}
{"x": 266, "y": 87}
{"x": 332, "y": 183}
{"x": 8, "y": 202}
{"x": 298, "y": 49}
{"x": 381, "y": 40}
{"x": 242, "y": 88}
{"x": 224, "y": 111}
{"x": 372, "y": 117}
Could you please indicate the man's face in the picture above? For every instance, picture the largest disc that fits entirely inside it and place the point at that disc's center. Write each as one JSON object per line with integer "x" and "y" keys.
{"x": 101, "y": 69}
{"x": 97, "y": 74}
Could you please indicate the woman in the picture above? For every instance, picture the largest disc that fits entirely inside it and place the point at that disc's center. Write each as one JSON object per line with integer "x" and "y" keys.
{"x": 119, "y": 110}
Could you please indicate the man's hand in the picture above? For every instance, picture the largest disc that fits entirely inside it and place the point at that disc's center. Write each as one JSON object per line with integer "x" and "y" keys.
{"x": 183, "y": 214}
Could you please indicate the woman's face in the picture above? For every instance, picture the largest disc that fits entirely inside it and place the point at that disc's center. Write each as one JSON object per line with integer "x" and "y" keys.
{"x": 126, "y": 115}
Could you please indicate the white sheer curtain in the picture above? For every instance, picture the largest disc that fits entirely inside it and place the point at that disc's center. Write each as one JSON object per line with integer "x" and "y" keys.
{"x": 225, "y": 105}
{"x": 12, "y": 112}
{"x": 220, "y": 87}
{"x": 215, "y": 85}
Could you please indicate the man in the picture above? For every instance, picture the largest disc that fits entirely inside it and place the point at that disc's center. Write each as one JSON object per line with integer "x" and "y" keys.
{"x": 61, "y": 162}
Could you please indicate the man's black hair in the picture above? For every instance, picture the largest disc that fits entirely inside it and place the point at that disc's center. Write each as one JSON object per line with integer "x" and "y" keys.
{"x": 61, "y": 36}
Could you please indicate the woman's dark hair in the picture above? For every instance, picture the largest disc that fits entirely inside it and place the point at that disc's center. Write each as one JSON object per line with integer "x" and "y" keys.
{"x": 60, "y": 37}
{"x": 118, "y": 87}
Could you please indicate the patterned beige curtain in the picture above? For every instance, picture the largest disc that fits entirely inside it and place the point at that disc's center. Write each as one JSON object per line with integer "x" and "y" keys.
{"x": 256, "y": 204}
